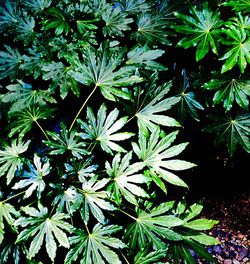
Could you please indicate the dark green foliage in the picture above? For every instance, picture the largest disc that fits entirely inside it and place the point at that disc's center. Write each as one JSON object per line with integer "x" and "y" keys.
{"x": 90, "y": 139}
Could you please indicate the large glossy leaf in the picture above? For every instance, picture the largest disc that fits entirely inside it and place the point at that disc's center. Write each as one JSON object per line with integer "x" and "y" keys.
{"x": 102, "y": 68}
{"x": 156, "y": 154}
{"x": 37, "y": 6}
{"x": 25, "y": 119}
{"x": 238, "y": 5}
{"x": 34, "y": 178}
{"x": 65, "y": 142}
{"x": 152, "y": 28}
{"x": 42, "y": 228}
{"x": 201, "y": 28}
{"x": 9, "y": 62}
{"x": 143, "y": 56}
{"x": 59, "y": 74}
{"x": 10, "y": 159}
{"x": 230, "y": 90}
{"x": 239, "y": 49}
{"x": 153, "y": 227}
{"x": 22, "y": 95}
{"x": 95, "y": 199}
{"x": 136, "y": 6}
{"x": 188, "y": 104}
{"x": 102, "y": 130}
{"x": 125, "y": 178}
{"x": 231, "y": 131}
{"x": 8, "y": 214}
{"x": 151, "y": 106}
{"x": 8, "y": 16}
{"x": 144, "y": 257}
{"x": 116, "y": 21}
{"x": 95, "y": 247}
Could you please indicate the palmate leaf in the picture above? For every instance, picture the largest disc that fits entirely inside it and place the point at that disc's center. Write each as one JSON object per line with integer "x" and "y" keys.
{"x": 238, "y": 5}
{"x": 103, "y": 129}
{"x": 231, "y": 131}
{"x": 102, "y": 68}
{"x": 8, "y": 14}
{"x": 125, "y": 179}
{"x": 11, "y": 252}
{"x": 37, "y": 6}
{"x": 34, "y": 178}
{"x": 24, "y": 120}
{"x": 144, "y": 56}
{"x": 239, "y": 49}
{"x": 152, "y": 28}
{"x": 43, "y": 228}
{"x": 201, "y": 26}
{"x": 95, "y": 247}
{"x": 9, "y": 214}
{"x": 145, "y": 257}
{"x": 59, "y": 74}
{"x": 188, "y": 103}
{"x": 230, "y": 90}
{"x": 9, "y": 62}
{"x": 22, "y": 95}
{"x": 153, "y": 227}
{"x": 10, "y": 159}
{"x": 156, "y": 155}
{"x": 58, "y": 21}
{"x": 95, "y": 199}
{"x": 116, "y": 21}
{"x": 66, "y": 141}
{"x": 24, "y": 28}
{"x": 68, "y": 199}
{"x": 152, "y": 104}
{"x": 136, "y": 6}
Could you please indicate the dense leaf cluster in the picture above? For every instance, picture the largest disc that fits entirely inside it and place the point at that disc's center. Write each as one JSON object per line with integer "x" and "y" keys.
{"x": 88, "y": 144}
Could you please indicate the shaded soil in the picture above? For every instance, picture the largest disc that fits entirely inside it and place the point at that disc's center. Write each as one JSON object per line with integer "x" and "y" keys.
{"x": 233, "y": 230}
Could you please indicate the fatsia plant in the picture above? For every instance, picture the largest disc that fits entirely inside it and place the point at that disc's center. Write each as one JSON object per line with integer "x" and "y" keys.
{"x": 89, "y": 145}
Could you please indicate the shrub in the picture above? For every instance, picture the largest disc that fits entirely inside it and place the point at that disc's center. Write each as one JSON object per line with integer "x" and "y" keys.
{"x": 80, "y": 82}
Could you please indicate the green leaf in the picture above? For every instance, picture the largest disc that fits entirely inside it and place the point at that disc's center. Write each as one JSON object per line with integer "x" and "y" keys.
{"x": 187, "y": 105}
{"x": 141, "y": 56}
{"x": 24, "y": 120}
{"x": 230, "y": 90}
{"x": 116, "y": 22}
{"x": 68, "y": 199}
{"x": 58, "y": 21}
{"x": 43, "y": 228}
{"x": 231, "y": 130}
{"x": 9, "y": 62}
{"x": 22, "y": 96}
{"x": 239, "y": 50}
{"x": 125, "y": 179}
{"x": 9, "y": 214}
{"x": 95, "y": 247}
{"x": 145, "y": 257}
{"x": 193, "y": 211}
{"x": 37, "y": 6}
{"x": 201, "y": 224}
{"x": 238, "y": 5}
{"x": 152, "y": 28}
{"x": 102, "y": 68}
{"x": 59, "y": 74}
{"x": 152, "y": 227}
{"x": 66, "y": 141}
{"x": 103, "y": 129}
{"x": 10, "y": 159}
{"x": 136, "y": 6}
{"x": 149, "y": 108}
{"x": 154, "y": 154}
{"x": 34, "y": 178}
{"x": 201, "y": 26}
{"x": 95, "y": 199}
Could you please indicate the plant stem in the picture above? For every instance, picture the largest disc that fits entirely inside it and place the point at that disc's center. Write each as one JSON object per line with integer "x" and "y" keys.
{"x": 124, "y": 257}
{"x": 41, "y": 129}
{"x": 127, "y": 214}
{"x": 80, "y": 110}
{"x": 87, "y": 228}
{"x": 12, "y": 197}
